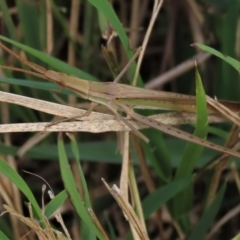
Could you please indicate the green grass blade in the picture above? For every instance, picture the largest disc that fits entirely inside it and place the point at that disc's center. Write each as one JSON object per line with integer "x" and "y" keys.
{"x": 190, "y": 156}
{"x": 17, "y": 180}
{"x": 104, "y": 25}
{"x": 186, "y": 167}
{"x": 60, "y": 18}
{"x": 56, "y": 203}
{"x": 105, "y": 152}
{"x": 51, "y": 61}
{"x": 228, "y": 46}
{"x": 106, "y": 9}
{"x": 112, "y": 232}
{"x": 233, "y": 62}
{"x": 29, "y": 20}
{"x": 90, "y": 14}
{"x": 6, "y": 228}
{"x": 163, "y": 168}
{"x": 3, "y": 236}
{"x": 71, "y": 188}
{"x": 8, "y": 19}
{"x": 162, "y": 195}
{"x": 208, "y": 216}
{"x": 76, "y": 154}
{"x": 86, "y": 233}
{"x": 35, "y": 85}
{"x": 42, "y": 24}
{"x": 237, "y": 237}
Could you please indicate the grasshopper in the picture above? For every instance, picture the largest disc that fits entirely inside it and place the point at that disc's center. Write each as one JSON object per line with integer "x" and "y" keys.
{"x": 120, "y": 97}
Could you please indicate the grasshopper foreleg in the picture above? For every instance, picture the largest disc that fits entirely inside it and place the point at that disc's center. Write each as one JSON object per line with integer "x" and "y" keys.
{"x": 87, "y": 113}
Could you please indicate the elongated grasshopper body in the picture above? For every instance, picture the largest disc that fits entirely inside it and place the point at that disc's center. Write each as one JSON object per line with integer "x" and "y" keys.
{"x": 121, "y": 97}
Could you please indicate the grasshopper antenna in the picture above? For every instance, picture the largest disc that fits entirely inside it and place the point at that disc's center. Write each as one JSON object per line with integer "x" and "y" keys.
{"x": 34, "y": 66}
{"x": 24, "y": 71}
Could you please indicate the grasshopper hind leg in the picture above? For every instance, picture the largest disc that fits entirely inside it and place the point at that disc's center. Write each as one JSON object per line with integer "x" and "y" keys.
{"x": 135, "y": 131}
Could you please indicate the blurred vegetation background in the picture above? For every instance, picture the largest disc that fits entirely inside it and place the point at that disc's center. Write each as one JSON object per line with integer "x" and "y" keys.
{"x": 75, "y": 32}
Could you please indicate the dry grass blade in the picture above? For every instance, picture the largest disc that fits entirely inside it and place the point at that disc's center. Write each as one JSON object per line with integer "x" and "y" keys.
{"x": 49, "y": 107}
{"x": 156, "y": 9}
{"x": 43, "y": 234}
{"x": 30, "y": 143}
{"x": 125, "y": 164}
{"x": 224, "y": 110}
{"x": 98, "y": 126}
{"x": 127, "y": 210}
{"x": 148, "y": 179}
{"x": 95, "y": 122}
{"x": 177, "y": 71}
{"x": 101, "y": 93}
{"x": 98, "y": 224}
{"x": 235, "y": 174}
